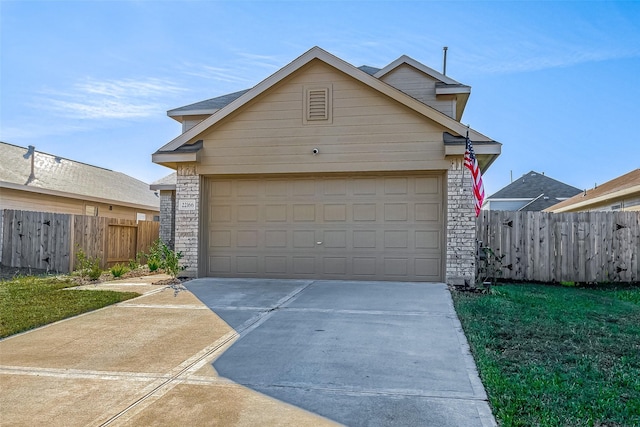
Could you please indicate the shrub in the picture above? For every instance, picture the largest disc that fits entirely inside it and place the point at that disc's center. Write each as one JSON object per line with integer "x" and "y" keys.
{"x": 172, "y": 261}
{"x": 88, "y": 266}
{"x": 118, "y": 270}
{"x": 162, "y": 257}
{"x": 155, "y": 257}
{"x": 153, "y": 264}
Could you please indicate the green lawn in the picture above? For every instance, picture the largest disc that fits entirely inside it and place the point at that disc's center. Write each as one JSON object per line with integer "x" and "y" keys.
{"x": 557, "y": 356}
{"x": 29, "y": 302}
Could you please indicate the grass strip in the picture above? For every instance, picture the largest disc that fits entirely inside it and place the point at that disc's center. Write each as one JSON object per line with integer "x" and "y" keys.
{"x": 557, "y": 356}
{"x": 28, "y": 302}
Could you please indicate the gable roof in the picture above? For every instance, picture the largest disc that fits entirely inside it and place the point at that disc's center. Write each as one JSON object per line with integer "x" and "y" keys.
{"x": 404, "y": 59}
{"x": 67, "y": 178}
{"x": 361, "y": 75}
{"x": 210, "y": 106}
{"x": 532, "y": 185}
{"x": 626, "y": 184}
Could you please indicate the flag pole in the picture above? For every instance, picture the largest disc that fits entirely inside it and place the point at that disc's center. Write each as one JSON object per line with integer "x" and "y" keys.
{"x": 463, "y": 167}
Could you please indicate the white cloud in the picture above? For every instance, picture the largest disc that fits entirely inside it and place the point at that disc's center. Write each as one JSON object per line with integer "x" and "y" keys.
{"x": 209, "y": 72}
{"x": 111, "y": 99}
{"x": 525, "y": 60}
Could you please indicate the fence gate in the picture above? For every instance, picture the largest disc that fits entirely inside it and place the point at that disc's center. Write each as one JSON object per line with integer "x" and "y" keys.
{"x": 122, "y": 243}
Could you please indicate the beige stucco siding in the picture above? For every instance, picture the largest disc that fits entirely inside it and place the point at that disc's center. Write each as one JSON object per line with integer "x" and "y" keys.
{"x": 367, "y": 132}
{"x": 32, "y": 201}
{"x": 420, "y": 86}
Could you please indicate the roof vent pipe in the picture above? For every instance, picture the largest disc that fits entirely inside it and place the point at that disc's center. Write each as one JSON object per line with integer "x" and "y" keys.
{"x": 31, "y": 152}
{"x": 444, "y": 60}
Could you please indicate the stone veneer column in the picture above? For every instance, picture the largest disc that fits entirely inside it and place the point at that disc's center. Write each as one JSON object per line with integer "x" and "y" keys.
{"x": 187, "y": 219}
{"x": 168, "y": 217}
{"x": 461, "y": 226}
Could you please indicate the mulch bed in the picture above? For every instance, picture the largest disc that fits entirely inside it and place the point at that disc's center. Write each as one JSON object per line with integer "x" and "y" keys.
{"x": 8, "y": 273}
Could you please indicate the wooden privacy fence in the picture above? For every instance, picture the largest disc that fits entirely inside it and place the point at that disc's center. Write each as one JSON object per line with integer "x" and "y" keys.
{"x": 50, "y": 241}
{"x": 577, "y": 247}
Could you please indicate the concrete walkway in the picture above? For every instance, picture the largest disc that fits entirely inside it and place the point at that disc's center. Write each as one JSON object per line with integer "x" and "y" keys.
{"x": 249, "y": 352}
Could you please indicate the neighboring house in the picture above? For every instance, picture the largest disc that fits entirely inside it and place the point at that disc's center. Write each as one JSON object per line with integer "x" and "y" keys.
{"x": 619, "y": 194}
{"x": 34, "y": 181}
{"x": 327, "y": 171}
{"x": 532, "y": 192}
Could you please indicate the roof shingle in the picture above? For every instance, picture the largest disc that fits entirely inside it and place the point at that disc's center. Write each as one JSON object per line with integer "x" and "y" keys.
{"x": 74, "y": 178}
{"x": 532, "y": 185}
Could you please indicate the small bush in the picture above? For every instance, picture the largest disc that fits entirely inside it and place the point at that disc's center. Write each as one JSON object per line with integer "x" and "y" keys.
{"x": 94, "y": 272}
{"x": 153, "y": 264}
{"x": 118, "y": 270}
{"x": 172, "y": 261}
{"x": 88, "y": 266}
{"x": 162, "y": 257}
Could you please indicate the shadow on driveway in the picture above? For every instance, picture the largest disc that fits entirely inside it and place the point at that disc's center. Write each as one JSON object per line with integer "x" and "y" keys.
{"x": 358, "y": 353}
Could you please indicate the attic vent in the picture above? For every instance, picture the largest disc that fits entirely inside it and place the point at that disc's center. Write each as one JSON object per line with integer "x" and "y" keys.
{"x": 317, "y": 105}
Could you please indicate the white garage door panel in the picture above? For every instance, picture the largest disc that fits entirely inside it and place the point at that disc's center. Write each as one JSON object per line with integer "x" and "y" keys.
{"x": 374, "y": 227}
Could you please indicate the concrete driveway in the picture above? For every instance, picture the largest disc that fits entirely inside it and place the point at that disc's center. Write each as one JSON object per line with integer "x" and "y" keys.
{"x": 249, "y": 352}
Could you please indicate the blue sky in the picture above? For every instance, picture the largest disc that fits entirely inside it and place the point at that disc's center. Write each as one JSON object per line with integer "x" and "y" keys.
{"x": 557, "y": 83}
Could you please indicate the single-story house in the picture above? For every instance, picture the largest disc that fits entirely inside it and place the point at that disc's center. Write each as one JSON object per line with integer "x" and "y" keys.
{"x": 325, "y": 170}
{"x": 619, "y": 194}
{"x": 533, "y": 191}
{"x": 31, "y": 180}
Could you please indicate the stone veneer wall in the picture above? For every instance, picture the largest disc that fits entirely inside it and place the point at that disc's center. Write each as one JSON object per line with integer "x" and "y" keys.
{"x": 1, "y": 231}
{"x": 168, "y": 217}
{"x": 187, "y": 220}
{"x": 461, "y": 226}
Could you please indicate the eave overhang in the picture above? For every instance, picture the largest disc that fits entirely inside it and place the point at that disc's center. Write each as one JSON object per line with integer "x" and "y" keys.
{"x": 180, "y": 115}
{"x": 184, "y": 154}
{"x": 40, "y": 190}
{"x": 461, "y": 93}
{"x": 596, "y": 200}
{"x": 486, "y": 151}
{"x": 163, "y": 187}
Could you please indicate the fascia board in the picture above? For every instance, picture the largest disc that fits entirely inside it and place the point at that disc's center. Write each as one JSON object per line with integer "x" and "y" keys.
{"x": 454, "y": 90}
{"x": 528, "y": 204}
{"x": 161, "y": 187}
{"x": 175, "y": 157}
{"x": 509, "y": 199}
{"x": 183, "y": 113}
{"x": 599, "y": 199}
{"x": 480, "y": 149}
{"x": 404, "y": 59}
{"x": 317, "y": 53}
{"x": 39, "y": 190}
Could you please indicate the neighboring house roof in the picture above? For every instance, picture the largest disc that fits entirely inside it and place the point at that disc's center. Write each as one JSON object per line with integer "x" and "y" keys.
{"x": 167, "y": 154}
{"x": 541, "y": 191}
{"x": 165, "y": 183}
{"x": 68, "y": 178}
{"x": 620, "y": 187}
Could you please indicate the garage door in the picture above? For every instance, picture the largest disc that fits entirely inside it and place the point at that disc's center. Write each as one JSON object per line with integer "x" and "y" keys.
{"x": 348, "y": 227}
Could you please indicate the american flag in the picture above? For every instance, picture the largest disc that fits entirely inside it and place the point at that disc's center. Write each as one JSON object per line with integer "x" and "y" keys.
{"x": 471, "y": 163}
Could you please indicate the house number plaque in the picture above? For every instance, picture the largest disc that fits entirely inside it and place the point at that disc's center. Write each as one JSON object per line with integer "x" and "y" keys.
{"x": 187, "y": 205}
